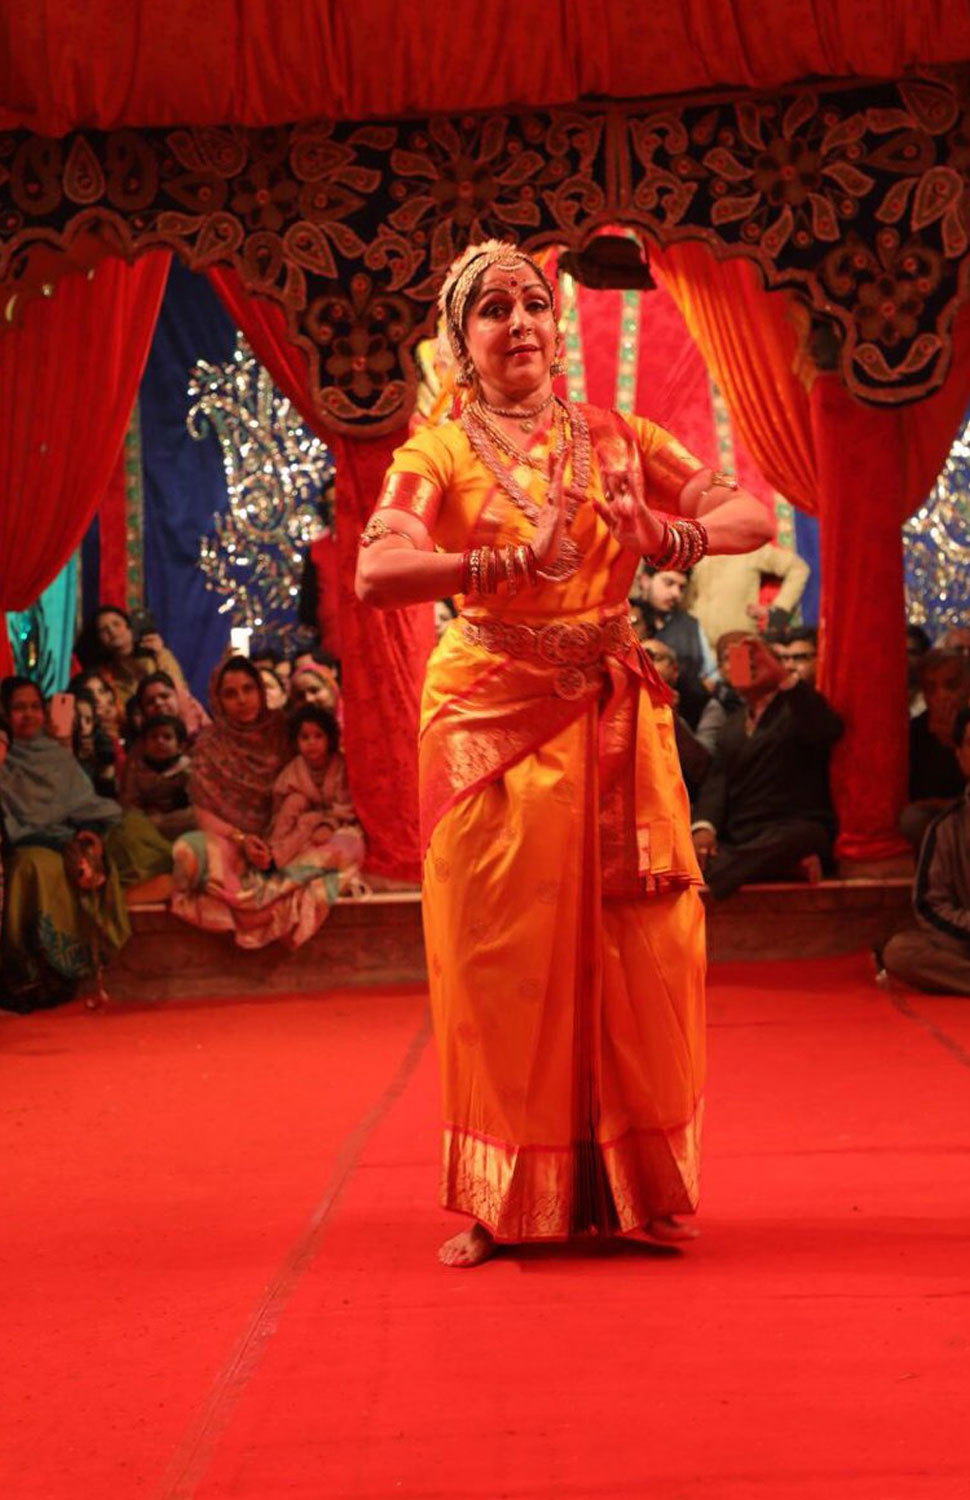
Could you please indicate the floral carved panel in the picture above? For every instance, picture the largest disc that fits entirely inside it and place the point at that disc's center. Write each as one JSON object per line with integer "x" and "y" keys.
{"x": 856, "y": 199}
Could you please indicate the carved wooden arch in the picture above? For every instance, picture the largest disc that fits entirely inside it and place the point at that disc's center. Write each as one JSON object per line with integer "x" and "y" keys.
{"x": 853, "y": 198}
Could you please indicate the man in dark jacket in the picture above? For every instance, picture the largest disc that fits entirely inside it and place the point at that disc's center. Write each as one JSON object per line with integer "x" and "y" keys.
{"x": 665, "y": 619}
{"x": 765, "y": 805}
{"x": 936, "y": 956}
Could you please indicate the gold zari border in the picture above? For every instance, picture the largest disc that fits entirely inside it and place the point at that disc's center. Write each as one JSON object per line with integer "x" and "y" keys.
{"x": 524, "y": 1193}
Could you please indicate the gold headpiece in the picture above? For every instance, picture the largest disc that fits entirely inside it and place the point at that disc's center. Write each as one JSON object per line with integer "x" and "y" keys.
{"x": 462, "y": 275}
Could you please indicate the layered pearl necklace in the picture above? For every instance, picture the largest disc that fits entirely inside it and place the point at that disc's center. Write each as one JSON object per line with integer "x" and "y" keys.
{"x": 572, "y": 430}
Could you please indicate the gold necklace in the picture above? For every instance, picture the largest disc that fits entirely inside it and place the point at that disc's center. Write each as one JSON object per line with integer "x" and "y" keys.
{"x": 526, "y": 415}
{"x": 513, "y": 451}
{"x": 484, "y": 440}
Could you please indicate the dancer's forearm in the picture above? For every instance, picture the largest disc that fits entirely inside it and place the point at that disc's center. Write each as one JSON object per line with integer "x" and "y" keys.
{"x": 391, "y": 574}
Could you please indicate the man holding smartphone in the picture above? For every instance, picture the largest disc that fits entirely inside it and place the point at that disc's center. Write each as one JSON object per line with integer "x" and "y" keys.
{"x": 765, "y": 807}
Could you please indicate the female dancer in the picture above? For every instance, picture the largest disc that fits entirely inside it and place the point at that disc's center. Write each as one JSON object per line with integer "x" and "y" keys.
{"x": 563, "y": 925}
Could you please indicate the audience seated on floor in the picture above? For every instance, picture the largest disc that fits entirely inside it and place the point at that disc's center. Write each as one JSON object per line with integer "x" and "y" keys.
{"x": 723, "y": 700}
{"x": 157, "y": 776}
{"x": 92, "y": 747}
{"x": 797, "y": 649}
{"x": 109, "y": 716}
{"x": 158, "y": 695}
{"x": 660, "y": 602}
{"x": 274, "y": 687}
{"x": 312, "y": 682}
{"x": 313, "y": 815}
{"x": 936, "y": 956}
{"x": 764, "y": 807}
{"x": 935, "y": 777}
{"x": 67, "y": 854}
{"x": 226, "y": 876}
{"x": 109, "y": 645}
{"x": 917, "y": 645}
{"x": 694, "y": 757}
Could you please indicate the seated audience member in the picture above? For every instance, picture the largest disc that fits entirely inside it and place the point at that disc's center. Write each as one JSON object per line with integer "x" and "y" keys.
{"x": 723, "y": 700}
{"x": 274, "y": 688}
{"x": 92, "y": 748}
{"x": 917, "y": 645}
{"x": 157, "y": 695}
{"x": 956, "y": 638}
{"x": 764, "y": 807}
{"x": 666, "y": 620}
{"x": 226, "y": 879}
{"x": 265, "y": 652}
{"x": 936, "y": 956}
{"x": 312, "y": 811}
{"x": 694, "y": 758}
{"x": 312, "y": 682}
{"x": 157, "y": 776}
{"x": 108, "y": 641}
{"x": 65, "y": 912}
{"x": 444, "y": 613}
{"x": 935, "y": 777}
{"x": 725, "y": 590}
{"x": 798, "y": 649}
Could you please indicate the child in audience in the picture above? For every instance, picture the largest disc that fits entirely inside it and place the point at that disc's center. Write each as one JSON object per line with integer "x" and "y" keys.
{"x": 92, "y": 748}
{"x": 157, "y": 776}
{"x": 312, "y": 809}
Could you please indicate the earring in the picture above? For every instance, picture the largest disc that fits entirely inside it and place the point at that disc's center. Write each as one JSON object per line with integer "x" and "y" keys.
{"x": 558, "y": 366}
{"x": 466, "y": 374}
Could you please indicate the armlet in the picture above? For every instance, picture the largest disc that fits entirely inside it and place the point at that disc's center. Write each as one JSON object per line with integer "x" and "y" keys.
{"x": 409, "y": 492}
{"x": 669, "y": 468}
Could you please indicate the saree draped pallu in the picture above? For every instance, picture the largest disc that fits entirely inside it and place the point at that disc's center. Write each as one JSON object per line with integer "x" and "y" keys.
{"x": 563, "y": 925}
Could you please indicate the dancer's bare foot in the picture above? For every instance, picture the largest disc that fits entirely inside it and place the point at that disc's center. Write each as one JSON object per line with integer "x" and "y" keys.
{"x": 469, "y": 1248}
{"x": 666, "y": 1230}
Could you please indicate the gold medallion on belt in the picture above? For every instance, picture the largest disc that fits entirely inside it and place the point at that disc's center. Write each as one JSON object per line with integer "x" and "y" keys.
{"x": 569, "y": 646}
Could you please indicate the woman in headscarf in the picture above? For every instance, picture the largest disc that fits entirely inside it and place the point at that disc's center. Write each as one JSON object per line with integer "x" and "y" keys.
{"x": 314, "y": 683}
{"x": 63, "y": 918}
{"x": 226, "y": 879}
{"x": 562, "y": 918}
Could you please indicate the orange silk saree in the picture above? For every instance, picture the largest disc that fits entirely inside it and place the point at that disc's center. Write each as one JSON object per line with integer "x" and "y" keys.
{"x": 563, "y": 925}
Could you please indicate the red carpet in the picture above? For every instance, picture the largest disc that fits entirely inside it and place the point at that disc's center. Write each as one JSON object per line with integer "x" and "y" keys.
{"x": 220, "y": 1275}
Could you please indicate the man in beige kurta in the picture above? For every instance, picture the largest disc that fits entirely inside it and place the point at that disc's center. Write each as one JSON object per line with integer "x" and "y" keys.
{"x": 724, "y": 591}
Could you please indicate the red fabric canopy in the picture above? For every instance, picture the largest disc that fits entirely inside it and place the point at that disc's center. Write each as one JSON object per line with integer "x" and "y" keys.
{"x": 256, "y": 62}
{"x": 68, "y": 379}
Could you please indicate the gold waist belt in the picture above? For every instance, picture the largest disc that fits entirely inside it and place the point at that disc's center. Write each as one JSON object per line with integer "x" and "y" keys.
{"x": 567, "y": 647}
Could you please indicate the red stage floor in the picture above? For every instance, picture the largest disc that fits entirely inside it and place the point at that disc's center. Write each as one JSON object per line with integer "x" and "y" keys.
{"x": 218, "y": 1241}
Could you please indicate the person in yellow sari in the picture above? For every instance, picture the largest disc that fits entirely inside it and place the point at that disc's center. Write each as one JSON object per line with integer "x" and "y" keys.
{"x": 563, "y": 923}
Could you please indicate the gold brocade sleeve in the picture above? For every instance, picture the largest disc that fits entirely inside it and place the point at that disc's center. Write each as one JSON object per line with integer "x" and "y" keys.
{"x": 411, "y": 493}
{"x": 667, "y": 463}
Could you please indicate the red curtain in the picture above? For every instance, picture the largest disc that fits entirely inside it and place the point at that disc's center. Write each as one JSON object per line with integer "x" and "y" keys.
{"x": 69, "y": 375}
{"x": 113, "y": 536}
{"x": 174, "y": 62}
{"x": 863, "y": 471}
{"x": 383, "y": 654}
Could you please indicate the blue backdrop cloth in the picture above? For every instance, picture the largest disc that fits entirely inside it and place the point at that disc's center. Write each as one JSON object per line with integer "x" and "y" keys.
{"x": 806, "y": 545}
{"x": 185, "y": 484}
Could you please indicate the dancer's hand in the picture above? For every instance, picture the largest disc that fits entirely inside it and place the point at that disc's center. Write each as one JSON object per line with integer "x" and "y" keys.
{"x": 627, "y": 513}
{"x": 551, "y": 525}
